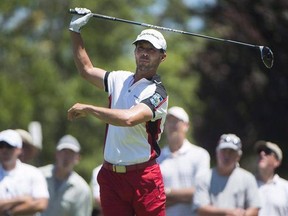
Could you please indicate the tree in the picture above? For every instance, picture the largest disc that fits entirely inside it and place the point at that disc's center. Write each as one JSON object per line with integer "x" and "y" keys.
{"x": 238, "y": 93}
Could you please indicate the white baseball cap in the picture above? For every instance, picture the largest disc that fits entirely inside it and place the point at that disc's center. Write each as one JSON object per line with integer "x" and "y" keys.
{"x": 11, "y": 137}
{"x": 68, "y": 142}
{"x": 261, "y": 144}
{"x": 154, "y": 37}
{"x": 230, "y": 141}
{"x": 27, "y": 138}
{"x": 179, "y": 113}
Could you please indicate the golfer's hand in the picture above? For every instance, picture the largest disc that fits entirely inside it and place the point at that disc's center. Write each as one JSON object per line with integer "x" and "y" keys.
{"x": 78, "y": 21}
{"x": 77, "y": 111}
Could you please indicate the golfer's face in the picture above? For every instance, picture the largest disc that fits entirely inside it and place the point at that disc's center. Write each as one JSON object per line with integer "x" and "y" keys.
{"x": 147, "y": 56}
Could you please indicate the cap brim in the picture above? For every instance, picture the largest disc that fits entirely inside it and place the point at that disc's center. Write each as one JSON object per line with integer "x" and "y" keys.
{"x": 149, "y": 39}
{"x": 260, "y": 144}
{"x": 67, "y": 146}
{"x": 228, "y": 145}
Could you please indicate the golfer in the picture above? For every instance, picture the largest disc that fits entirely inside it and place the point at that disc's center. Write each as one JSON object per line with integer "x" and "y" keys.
{"x": 130, "y": 179}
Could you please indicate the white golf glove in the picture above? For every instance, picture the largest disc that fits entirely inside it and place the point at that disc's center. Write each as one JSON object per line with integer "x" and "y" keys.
{"x": 78, "y": 21}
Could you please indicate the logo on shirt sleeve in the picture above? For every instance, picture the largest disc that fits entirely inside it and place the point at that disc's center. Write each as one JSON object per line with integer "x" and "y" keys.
{"x": 156, "y": 99}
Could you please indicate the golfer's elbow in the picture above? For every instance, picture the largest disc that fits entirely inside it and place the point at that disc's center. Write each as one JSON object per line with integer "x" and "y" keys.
{"x": 84, "y": 72}
{"x": 129, "y": 120}
{"x": 128, "y": 123}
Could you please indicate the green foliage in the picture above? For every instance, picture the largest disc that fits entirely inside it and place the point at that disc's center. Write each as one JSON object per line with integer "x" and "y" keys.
{"x": 239, "y": 95}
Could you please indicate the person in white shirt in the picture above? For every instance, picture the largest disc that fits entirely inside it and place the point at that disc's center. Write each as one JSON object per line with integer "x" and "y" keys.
{"x": 96, "y": 191}
{"x": 30, "y": 150}
{"x": 70, "y": 194}
{"x": 273, "y": 189}
{"x": 23, "y": 188}
{"x": 180, "y": 162}
{"x": 227, "y": 189}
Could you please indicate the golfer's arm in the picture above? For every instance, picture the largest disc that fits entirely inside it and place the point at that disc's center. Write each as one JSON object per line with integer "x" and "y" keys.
{"x": 84, "y": 64}
{"x": 122, "y": 117}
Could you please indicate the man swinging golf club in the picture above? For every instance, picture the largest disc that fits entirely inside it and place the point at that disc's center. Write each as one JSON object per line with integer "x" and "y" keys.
{"x": 130, "y": 179}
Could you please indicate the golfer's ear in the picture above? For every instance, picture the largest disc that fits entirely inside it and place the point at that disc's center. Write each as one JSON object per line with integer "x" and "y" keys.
{"x": 163, "y": 57}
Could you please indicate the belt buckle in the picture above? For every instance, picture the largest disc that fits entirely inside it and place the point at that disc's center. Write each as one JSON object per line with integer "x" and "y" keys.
{"x": 119, "y": 169}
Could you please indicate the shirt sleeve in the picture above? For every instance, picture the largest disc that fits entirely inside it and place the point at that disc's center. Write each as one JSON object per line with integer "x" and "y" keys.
{"x": 253, "y": 197}
{"x": 201, "y": 195}
{"x": 40, "y": 188}
{"x": 94, "y": 183}
{"x": 158, "y": 102}
{"x": 83, "y": 206}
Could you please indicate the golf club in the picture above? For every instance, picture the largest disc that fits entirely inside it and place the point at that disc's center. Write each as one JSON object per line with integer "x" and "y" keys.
{"x": 266, "y": 53}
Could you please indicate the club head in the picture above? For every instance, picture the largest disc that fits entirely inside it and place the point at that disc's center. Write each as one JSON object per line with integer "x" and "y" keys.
{"x": 266, "y": 56}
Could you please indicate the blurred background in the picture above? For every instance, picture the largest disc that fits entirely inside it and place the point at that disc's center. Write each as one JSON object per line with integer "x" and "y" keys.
{"x": 224, "y": 87}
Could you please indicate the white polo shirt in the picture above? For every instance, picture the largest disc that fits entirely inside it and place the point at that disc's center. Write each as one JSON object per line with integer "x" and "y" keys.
{"x": 23, "y": 180}
{"x": 274, "y": 197}
{"x": 181, "y": 169}
{"x": 137, "y": 144}
{"x": 94, "y": 183}
{"x": 238, "y": 190}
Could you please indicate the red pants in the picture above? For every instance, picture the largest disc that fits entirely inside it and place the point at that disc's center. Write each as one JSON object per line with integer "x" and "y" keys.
{"x": 139, "y": 192}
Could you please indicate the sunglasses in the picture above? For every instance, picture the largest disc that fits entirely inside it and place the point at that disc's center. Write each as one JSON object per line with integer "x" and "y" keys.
{"x": 267, "y": 151}
{"x": 231, "y": 139}
{"x": 4, "y": 144}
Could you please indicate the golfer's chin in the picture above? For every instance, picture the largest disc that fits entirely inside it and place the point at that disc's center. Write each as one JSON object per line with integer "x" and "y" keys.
{"x": 144, "y": 67}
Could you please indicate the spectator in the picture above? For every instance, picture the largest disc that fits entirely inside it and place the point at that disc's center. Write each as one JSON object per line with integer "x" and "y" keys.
{"x": 30, "y": 151}
{"x": 97, "y": 211}
{"x": 130, "y": 179}
{"x": 180, "y": 162}
{"x": 23, "y": 189}
{"x": 70, "y": 195}
{"x": 227, "y": 189}
{"x": 273, "y": 189}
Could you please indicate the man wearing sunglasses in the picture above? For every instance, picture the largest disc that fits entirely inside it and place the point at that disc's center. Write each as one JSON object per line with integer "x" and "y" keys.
{"x": 23, "y": 189}
{"x": 273, "y": 189}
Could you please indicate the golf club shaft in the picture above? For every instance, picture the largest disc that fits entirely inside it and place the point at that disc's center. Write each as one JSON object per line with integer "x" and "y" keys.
{"x": 72, "y": 11}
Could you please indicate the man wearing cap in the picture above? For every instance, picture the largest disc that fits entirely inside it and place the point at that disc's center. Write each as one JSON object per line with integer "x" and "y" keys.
{"x": 273, "y": 189}
{"x": 23, "y": 189}
{"x": 130, "y": 179}
{"x": 70, "y": 195}
{"x": 30, "y": 151}
{"x": 227, "y": 189}
{"x": 180, "y": 162}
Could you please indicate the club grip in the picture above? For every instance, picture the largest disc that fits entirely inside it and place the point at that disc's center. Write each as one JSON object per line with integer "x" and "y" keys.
{"x": 72, "y": 11}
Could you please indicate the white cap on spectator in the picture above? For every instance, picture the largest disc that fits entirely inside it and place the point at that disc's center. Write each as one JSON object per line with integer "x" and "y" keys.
{"x": 68, "y": 142}
{"x": 179, "y": 113}
{"x": 11, "y": 137}
{"x": 230, "y": 141}
{"x": 261, "y": 144}
{"x": 26, "y": 137}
